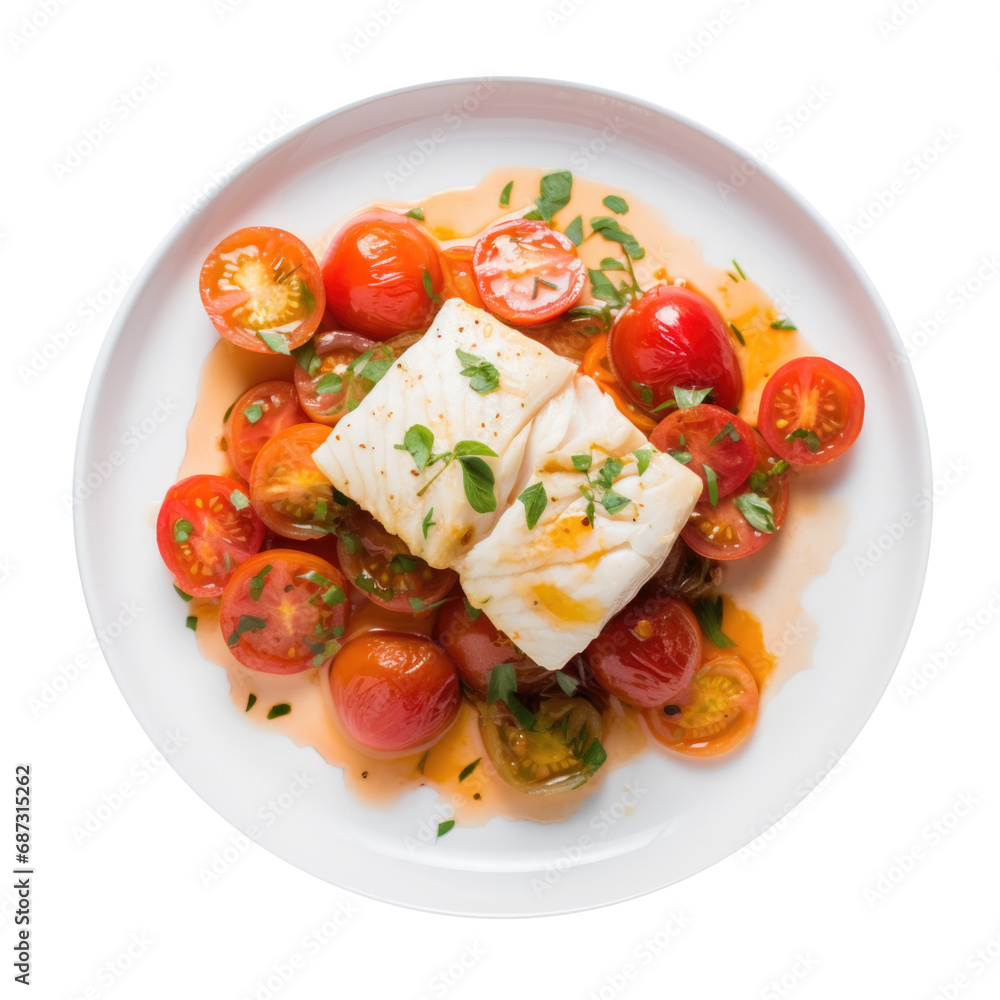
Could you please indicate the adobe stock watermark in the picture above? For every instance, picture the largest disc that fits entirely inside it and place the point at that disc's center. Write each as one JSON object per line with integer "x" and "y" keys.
{"x": 447, "y": 978}
{"x": 979, "y": 961}
{"x": 931, "y": 836}
{"x": 31, "y": 25}
{"x": 366, "y": 31}
{"x": 710, "y": 30}
{"x": 558, "y": 14}
{"x": 914, "y": 168}
{"x": 111, "y": 972}
{"x": 898, "y": 17}
{"x": 122, "y": 107}
{"x": 938, "y": 660}
{"x": 802, "y": 965}
{"x": 585, "y": 156}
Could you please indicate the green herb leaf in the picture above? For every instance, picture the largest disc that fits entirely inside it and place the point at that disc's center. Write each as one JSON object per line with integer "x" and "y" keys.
{"x": 464, "y": 448}
{"x": 738, "y": 335}
{"x": 428, "y": 283}
{"x": 444, "y": 827}
{"x": 613, "y": 502}
{"x": 403, "y": 564}
{"x": 783, "y": 324}
{"x": 811, "y": 439}
{"x": 239, "y": 499}
{"x": 643, "y": 456}
{"x": 484, "y": 376}
{"x": 254, "y": 412}
{"x": 468, "y": 769}
{"x": 505, "y": 194}
{"x": 192, "y": 622}
{"x": 602, "y": 288}
{"x": 478, "y": 481}
{"x": 757, "y": 510}
{"x": 644, "y": 392}
{"x": 609, "y": 473}
{"x": 182, "y": 529}
{"x": 333, "y": 595}
{"x": 713, "y": 484}
{"x": 250, "y": 623}
{"x": 615, "y": 204}
{"x": 275, "y": 341}
{"x": 709, "y": 615}
{"x": 739, "y": 270}
{"x": 418, "y": 441}
{"x": 277, "y": 711}
{"x": 610, "y": 229}
{"x": 590, "y": 511}
{"x": 729, "y": 431}
{"x": 574, "y": 231}
{"x": 680, "y": 456}
{"x": 416, "y": 213}
{"x": 329, "y": 383}
{"x": 306, "y": 357}
{"x": 226, "y": 415}
{"x": 582, "y": 463}
{"x": 612, "y": 264}
{"x": 593, "y": 757}
{"x": 368, "y": 367}
{"x": 567, "y": 684}
{"x": 502, "y": 682}
{"x": 534, "y": 499}
{"x": 686, "y": 398}
{"x": 181, "y": 594}
{"x": 427, "y": 523}
{"x": 257, "y": 583}
{"x": 369, "y": 586}
{"x": 472, "y": 612}
{"x": 251, "y": 701}
{"x": 556, "y": 191}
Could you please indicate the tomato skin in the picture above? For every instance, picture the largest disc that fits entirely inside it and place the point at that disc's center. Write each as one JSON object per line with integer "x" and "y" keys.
{"x": 722, "y": 532}
{"x": 297, "y": 618}
{"x": 394, "y": 694}
{"x": 262, "y": 280}
{"x": 513, "y": 260}
{"x": 724, "y": 679}
{"x": 279, "y": 406}
{"x": 812, "y": 394}
{"x": 698, "y": 426}
{"x": 379, "y": 565}
{"x": 651, "y": 670}
{"x": 219, "y": 529}
{"x": 334, "y": 351}
{"x": 459, "y": 278}
{"x": 476, "y": 647}
{"x": 287, "y": 489}
{"x": 674, "y": 337}
{"x": 373, "y": 273}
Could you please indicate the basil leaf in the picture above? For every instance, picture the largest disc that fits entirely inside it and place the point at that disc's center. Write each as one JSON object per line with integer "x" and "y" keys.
{"x": 609, "y": 472}
{"x": 254, "y": 412}
{"x": 534, "y": 500}
{"x": 478, "y": 480}
{"x": 611, "y": 264}
{"x": 611, "y": 230}
{"x": 615, "y": 204}
{"x": 464, "y": 448}
{"x": 484, "y": 377}
{"x": 567, "y": 684}
{"x": 728, "y": 431}
{"x": 643, "y": 457}
{"x": 428, "y": 284}
{"x": 239, "y": 499}
{"x": 329, "y": 383}
{"x": 468, "y": 769}
{"x": 680, "y": 456}
{"x": 257, "y": 583}
{"x": 403, "y": 564}
{"x": 275, "y": 341}
{"x": 181, "y": 594}
{"x": 251, "y": 701}
{"x": 709, "y": 615}
{"x": 501, "y": 683}
{"x": 472, "y": 612}
{"x": 713, "y": 484}
{"x": 582, "y": 463}
{"x": 250, "y": 623}
{"x": 192, "y": 622}
{"x": 811, "y": 439}
{"x": 505, "y": 194}
{"x": 686, "y": 398}
{"x": 644, "y": 392}
{"x": 602, "y": 288}
{"x": 758, "y": 512}
{"x": 416, "y": 213}
{"x": 418, "y": 441}
{"x": 306, "y": 357}
{"x": 556, "y": 191}
{"x": 593, "y": 757}
{"x": 613, "y": 502}
{"x": 574, "y": 231}
{"x": 444, "y": 827}
{"x": 277, "y": 711}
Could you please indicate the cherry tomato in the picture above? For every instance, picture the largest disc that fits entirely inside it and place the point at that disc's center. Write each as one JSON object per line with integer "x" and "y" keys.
{"x": 551, "y": 757}
{"x": 283, "y": 611}
{"x": 375, "y": 273}
{"x": 648, "y": 653}
{"x": 811, "y": 411}
{"x": 291, "y": 495}
{"x": 324, "y": 547}
{"x": 673, "y": 337}
{"x": 330, "y": 378}
{"x": 262, "y": 291}
{"x": 527, "y": 273}
{"x": 717, "y": 716}
{"x": 723, "y": 531}
{"x": 707, "y": 435}
{"x": 205, "y": 529}
{"x": 470, "y": 639}
{"x": 256, "y": 417}
{"x": 459, "y": 278}
{"x": 383, "y": 567}
{"x": 394, "y": 694}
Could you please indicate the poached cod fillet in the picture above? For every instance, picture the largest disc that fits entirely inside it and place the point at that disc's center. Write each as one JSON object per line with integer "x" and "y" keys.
{"x": 604, "y": 529}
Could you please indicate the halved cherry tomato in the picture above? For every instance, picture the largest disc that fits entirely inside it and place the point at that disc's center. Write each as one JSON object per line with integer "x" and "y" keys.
{"x": 527, "y": 273}
{"x": 382, "y": 275}
{"x": 262, "y": 290}
{"x": 648, "y": 653}
{"x": 723, "y": 531}
{"x": 394, "y": 694}
{"x": 256, "y": 417}
{"x": 595, "y": 364}
{"x": 205, "y": 529}
{"x": 330, "y": 377}
{"x": 552, "y": 756}
{"x": 283, "y": 611}
{"x": 718, "y": 713}
{"x": 671, "y": 337}
{"x": 325, "y": 547}
{"x": 707, "y": 435}
{"x": 459, "y": 278}
{"x": 383, "y": 567}
{"x": 470, "y": 639}
{"x": 811, "y": 411}
{"x": 291, "y": 495}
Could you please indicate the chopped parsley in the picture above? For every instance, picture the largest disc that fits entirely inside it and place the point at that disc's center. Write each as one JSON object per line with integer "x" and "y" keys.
{"x": 257, "y": 583}
{"x": 811, "y": 439}
{"x": 567, "y": 684}
{"x": 428, "y": 284}
{"x": 403, "y": 564}
{"x": 416, "y": 213}
{"x": 192, "y": 622}
{"x": 505, "y": 194}
{"x": 556, "y": 191}
{"x": 468, "y": 769}
{"x": 501, "y": 686}
{"x": 251, "y": 701}
{"x": 181, "y": 594}
{"x": 709, "y": 615}
{"x": 729, "y": 431}
{"x": 472, "y": 612}
{"x": 534, "y": 499}
{"x": 484, "y": 377}
{"x": 277, "y": 711}
{"x": 737, "y": 334}
{"x": 713, "y": 484}
{"x": 427, "y": 523}
{"x": 643, "y": 457}
{"x": 758, "y": 512}
{"x": 574, "y": 231}
{"x": 759, "y": 480}
{"x": 331, "y": 382}
{"x": 444, "y": 827}
{"x": 276, "y": 341}
{"x": 783, "y": 324}
{"x": 239, "y": 499}
{"x": 254, "y": 412}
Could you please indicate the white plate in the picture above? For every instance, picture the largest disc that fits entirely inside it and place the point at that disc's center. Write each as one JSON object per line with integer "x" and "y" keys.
{"x": 688, "y": 815}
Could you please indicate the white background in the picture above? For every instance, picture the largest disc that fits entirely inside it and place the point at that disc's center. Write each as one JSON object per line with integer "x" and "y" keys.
{"x": 883, "y": 882}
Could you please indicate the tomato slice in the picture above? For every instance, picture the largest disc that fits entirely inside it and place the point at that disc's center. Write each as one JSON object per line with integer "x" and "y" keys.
{"x": 648, "y": 653}
{"x": 262, "y": 291}
{"x": 256, "y": 417}
{"x": 717, "y": 715}
{"x": 382, "y": 275}
{"x": 394, "y": 694}
{"x": 205, "y": 529}
{"x": 527, "y": 273}
{"x": 283, "y": 611}
{"x": 811, "y": 411}
{"x": 475, "y": 645}
{"x": 380, "y": 565}
{"x": 459, "y": 277}
{"x": 288, "y": 491}
{"x": 723, "y": 531}
{"x": 550, "y": 757}
{"x": 671, "y": 337}
{"x": 707, "y": 437}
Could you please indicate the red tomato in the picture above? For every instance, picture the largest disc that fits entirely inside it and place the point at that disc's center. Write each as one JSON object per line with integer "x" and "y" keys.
{"x": 283, "y": 611}
{"x": 330, "y": 379}
{"x": 291, "y": 495}
{"x": 707, "y": 435}
{"x": 717, "y": 716}
{"x": 470, "y": 639}
{"x": 526, "y": 272}
{"x": 648, "y": 653}
{"x": 205, "y": 529}
{"x": 374, "y": 273}
{"x": 459, "y": 278}
{"x": 394, "y": 694}
{"x": 811, "y": 411}
{"x": 261, "y": 289}
{"x": 723, "y": 532}
{"x": 324, "y": 547}
{"x": 256, "y": 417}
{"x": 383, "y": 567}
{"x": 674, "y": 337}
